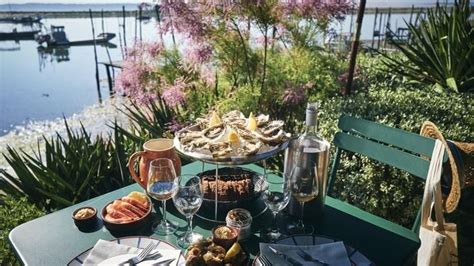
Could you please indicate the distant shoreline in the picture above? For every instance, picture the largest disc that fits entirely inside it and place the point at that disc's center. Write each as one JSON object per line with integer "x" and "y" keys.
{"x": 152, "y": 13}
{"x": 75, "y": 14}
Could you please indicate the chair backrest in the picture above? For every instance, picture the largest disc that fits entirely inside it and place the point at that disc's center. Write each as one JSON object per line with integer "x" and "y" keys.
{"x": 401, "y": 149}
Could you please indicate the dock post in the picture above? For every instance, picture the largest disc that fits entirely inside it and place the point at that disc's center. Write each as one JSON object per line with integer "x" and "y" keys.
{"x": 136, "y": 21}
{"x": 158, "y": 21}
{"x": 411, "y": 19}
{"x": 95, "y": 58}
{"x": 380, "y": 30}
{"x": 109, "y": 79}
{"x": 388, "y": 31}
{"x": 140, "y": 14}
{"x": 375, "y": 26}
{"x": 123, "y": 25}
{"x": 106, "y": 47}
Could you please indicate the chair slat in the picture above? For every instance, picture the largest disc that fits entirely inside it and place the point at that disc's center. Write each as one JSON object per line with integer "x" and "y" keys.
{"x": 383, "y": 153}
{"x": 406, "y": 140}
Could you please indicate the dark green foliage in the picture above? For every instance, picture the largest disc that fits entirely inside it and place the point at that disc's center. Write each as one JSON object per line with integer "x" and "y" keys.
{"x": 72, "y": 169}
{"x": 382, "y": 190}
{"x": 441, "y": 50}
{"x": 13, "y": 212}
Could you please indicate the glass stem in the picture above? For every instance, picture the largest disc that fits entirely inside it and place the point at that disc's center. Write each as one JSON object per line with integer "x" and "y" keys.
{"x": 275, "y": 225}
{"x": 164, "y": 210}
{"x": 301, "y": 223}
{"x": 190, "y": 224}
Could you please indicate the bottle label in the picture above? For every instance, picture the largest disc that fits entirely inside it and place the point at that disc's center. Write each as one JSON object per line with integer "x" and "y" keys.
{"x": 310, "y": 150}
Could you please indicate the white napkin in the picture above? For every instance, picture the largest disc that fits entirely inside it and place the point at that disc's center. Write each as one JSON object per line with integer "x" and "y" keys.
{"x": 330, "y": 253}
{"x": 103, "y": 250}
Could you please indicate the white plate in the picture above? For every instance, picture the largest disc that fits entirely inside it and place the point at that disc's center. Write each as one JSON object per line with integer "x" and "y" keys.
{"x": 134, "y": 241}
{"x": 167, "y": 254}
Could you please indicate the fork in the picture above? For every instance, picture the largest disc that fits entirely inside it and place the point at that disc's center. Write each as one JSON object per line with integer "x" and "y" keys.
{"x": 141, "y": 256}
{"x": 264, "y": 261}
{"x": 307, "y": 257}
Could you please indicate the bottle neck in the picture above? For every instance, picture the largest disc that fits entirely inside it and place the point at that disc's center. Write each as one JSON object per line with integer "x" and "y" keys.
{"x": 311, "y": 122}
{"x": 310, "y": 129}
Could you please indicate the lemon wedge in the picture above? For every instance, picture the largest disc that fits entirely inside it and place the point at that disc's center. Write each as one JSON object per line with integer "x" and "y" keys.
{"x": 252, "y": 123}
{"x": 232, "y": 252}
{"x": 215, "y": 119}
{"x": 233, "y": 138}
{"x": 138, "y": 196}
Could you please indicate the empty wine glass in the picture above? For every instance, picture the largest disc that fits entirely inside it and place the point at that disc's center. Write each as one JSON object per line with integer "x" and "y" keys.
{"x": 304, "y": 188}
{"x": 162, "y": 185}
{"x": 188, "y": 200}
{"x": 276, "y": 196}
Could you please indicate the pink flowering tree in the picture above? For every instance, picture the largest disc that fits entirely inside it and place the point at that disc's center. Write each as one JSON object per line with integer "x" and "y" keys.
{"x": 225, "y": 50}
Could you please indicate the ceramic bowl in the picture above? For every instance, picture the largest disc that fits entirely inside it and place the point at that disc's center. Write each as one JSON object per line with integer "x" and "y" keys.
{"x": 86, "y": 221}
{"x": 129, "y": 226}
{"x": 225, "y": 242}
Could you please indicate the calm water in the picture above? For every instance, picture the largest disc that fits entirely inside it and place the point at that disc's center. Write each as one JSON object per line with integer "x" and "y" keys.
{"x": 38, "y": 86}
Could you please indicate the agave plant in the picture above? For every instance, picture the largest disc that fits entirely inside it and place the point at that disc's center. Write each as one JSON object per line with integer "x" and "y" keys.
{"x": 68, "y": 170}
{"x": 441, "y": 50}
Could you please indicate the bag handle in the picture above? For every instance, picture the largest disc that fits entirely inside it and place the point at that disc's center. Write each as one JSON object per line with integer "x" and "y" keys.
{"x": 432, "y": 193}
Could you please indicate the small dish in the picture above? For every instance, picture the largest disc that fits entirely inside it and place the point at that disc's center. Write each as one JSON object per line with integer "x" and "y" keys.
{"x": 85, "y": 216}
{"x": 224, "y": 236}
{"x": 127, "y": 226}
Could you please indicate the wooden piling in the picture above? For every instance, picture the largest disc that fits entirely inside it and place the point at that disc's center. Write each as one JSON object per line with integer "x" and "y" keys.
{"x": 380, "y": 30}
{"x": 106, "y": 47}
{"x": 375, "y": 26}
{"x": 388, "y": 31}
{"x": 124, "y": 30}
{"x": 355, "y": 46}
{"x": 95, "y": 59}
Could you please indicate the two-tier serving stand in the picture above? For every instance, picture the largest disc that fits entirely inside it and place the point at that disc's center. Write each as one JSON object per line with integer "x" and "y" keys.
{"x": 231, "y": 161}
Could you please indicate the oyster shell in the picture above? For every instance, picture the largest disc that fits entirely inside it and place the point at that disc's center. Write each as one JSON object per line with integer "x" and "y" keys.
{"x": 214, "y": 133}
{"x": 272, "y": 127}
{"x": 220, "y": 149}
{"x": 235, "y": 119}
{"x": 276, "y": 139}
{"x": 249, "y": 147}
{"x": 262, "y": 120}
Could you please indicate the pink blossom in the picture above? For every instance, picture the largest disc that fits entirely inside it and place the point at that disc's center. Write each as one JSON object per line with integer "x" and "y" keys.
{"x": 183, "y": 18}
{"x": 132, "y": 81}
{"x": 197, "y": 53}
{"x": 174, "y": 95}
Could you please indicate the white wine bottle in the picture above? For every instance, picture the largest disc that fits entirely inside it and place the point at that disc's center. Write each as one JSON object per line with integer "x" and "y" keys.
{"x": 310, "y": 152}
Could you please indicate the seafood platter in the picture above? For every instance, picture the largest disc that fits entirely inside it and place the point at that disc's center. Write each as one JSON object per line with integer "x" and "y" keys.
{"x": 230, "y": 140}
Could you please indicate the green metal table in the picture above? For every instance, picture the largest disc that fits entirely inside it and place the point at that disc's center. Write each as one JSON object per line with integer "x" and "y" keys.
{"x": 55, "y": 240}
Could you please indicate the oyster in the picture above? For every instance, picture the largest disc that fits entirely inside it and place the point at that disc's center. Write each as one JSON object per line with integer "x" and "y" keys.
{"x": 262, "y": 120}
{"x": 214, "y": 133}
{"x": 249, "y": 147}
{"x": 276, "y": 139}
{"x": 272, "y": 127}
{"x": 220, "y": 149}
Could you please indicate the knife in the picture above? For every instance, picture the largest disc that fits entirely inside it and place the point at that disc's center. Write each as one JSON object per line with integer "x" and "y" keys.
{"x": 284, "y": 257}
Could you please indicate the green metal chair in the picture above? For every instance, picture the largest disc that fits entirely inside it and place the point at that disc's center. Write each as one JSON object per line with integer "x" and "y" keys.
{"x": 384, "y": 242}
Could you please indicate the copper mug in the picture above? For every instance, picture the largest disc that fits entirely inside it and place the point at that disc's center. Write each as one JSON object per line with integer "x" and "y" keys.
{"x": 153, "y": 149}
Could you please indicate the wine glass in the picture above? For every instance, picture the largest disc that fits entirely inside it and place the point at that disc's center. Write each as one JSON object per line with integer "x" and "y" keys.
{"x": 304, "y": 188}
{"x": 276, "y": 196}
{"x": 188, "y": 200}
{"x": 162, "y": 185}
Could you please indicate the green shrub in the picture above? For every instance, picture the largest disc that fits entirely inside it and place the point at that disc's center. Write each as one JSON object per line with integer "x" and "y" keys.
{"x": 441, "y": 50}
{"x": 383, "y": 191}
{"x": 13, "y": 212}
